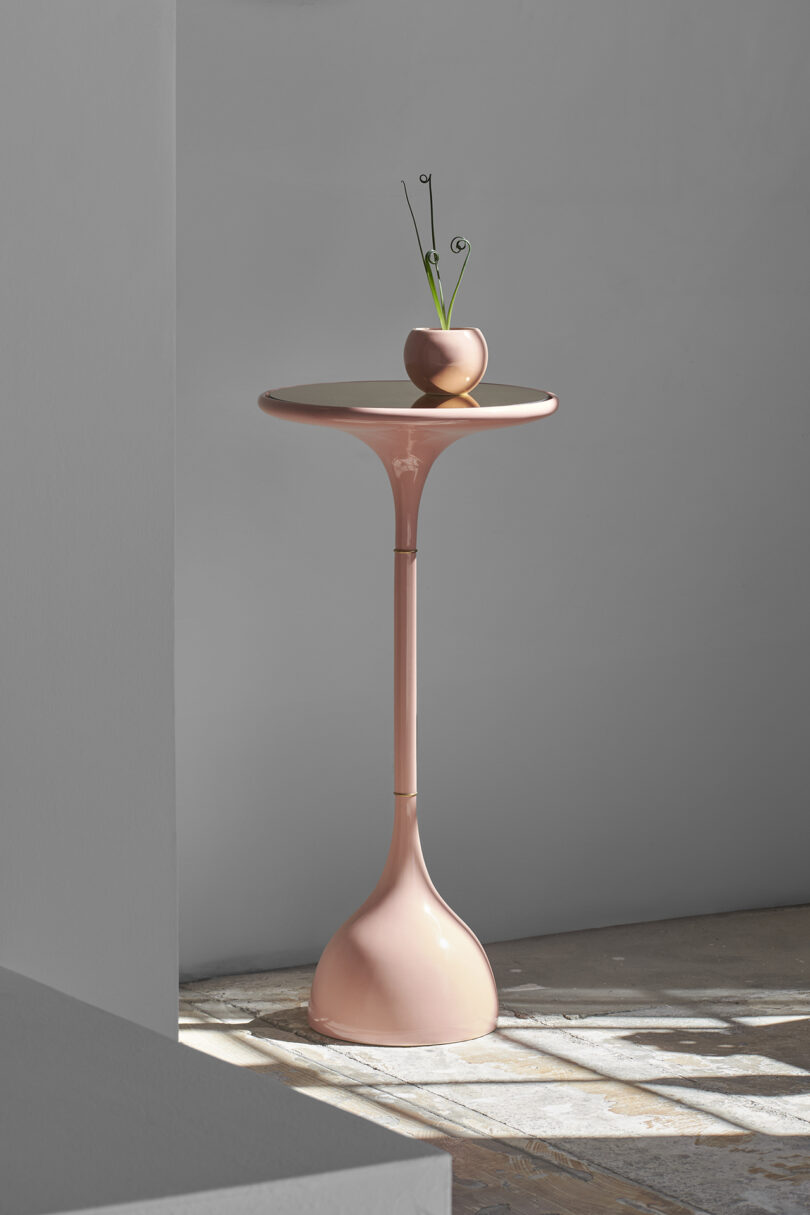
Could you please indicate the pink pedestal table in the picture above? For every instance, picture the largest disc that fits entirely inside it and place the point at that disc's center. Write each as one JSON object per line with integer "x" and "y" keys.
{"x": 404, "y": 970}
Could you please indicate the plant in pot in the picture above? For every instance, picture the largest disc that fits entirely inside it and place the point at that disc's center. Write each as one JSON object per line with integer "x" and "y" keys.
{"x": 443, "y": 360}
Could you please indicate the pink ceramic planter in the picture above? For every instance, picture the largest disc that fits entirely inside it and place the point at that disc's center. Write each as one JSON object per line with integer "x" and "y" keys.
{"x": 450, "y": 361}
{"x": 404, "y": 970}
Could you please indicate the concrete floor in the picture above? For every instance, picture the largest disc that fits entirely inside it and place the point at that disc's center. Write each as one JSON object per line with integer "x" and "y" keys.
{"x": 650, "y": 1069}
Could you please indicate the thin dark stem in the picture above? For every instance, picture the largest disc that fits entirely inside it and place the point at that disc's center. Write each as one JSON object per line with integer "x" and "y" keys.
{"x": 413, "y": 217}
{"x": 428, "y": 179}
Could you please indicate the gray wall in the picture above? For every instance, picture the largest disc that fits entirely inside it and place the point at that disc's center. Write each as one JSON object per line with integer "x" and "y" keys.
{"x": 614, "y": 602}
{"x": 87, "y": 836}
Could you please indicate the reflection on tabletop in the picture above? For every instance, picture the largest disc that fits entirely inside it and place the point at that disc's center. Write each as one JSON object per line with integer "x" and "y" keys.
{"x": 433, "y": 400}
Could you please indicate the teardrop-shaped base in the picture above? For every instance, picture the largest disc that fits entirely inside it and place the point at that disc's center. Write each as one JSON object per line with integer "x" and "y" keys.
{"x": 404, "y": 971}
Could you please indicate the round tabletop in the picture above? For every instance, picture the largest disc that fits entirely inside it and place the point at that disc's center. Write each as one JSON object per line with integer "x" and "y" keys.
{"x": 399, "y": 400}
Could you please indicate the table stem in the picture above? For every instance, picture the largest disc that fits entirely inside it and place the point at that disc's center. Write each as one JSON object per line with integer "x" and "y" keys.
{"x": 404, "y": 675}
{"x": 404, "y": 970}
{"x": 407, "y": 472}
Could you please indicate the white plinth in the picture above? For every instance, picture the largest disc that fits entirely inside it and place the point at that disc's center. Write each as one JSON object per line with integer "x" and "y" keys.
{"x": 99, "y": 1114}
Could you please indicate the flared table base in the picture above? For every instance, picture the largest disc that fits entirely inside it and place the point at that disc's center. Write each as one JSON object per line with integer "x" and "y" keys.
{"x": 404, "y": 970}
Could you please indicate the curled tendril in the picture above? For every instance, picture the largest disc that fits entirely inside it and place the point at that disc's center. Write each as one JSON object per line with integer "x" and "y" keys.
{"x": 457, "y": 245}
{"x": 430, "y": 258}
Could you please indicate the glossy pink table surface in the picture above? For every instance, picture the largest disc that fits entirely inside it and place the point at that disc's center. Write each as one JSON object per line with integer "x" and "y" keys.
{"x": 361, "y": 401}
{"x": 404, "y": 969}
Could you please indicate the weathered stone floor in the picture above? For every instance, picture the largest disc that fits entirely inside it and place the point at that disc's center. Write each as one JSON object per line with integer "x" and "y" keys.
{"x": 650, "y": 1069}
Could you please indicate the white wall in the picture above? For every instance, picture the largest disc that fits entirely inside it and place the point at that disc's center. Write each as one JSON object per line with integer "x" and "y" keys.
{"x": 87, "y": 841}
{"x": 614, "y": 603}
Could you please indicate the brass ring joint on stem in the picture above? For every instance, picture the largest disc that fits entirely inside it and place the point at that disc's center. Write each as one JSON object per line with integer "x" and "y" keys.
{"x": 405, "y": 550}
{"x": 403, "y": 794}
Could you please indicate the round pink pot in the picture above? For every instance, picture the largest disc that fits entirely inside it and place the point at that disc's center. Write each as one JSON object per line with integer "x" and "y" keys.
{"x": 446, "y": 361}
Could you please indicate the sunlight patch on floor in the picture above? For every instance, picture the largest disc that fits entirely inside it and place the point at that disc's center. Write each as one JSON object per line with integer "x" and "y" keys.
{"x": 683, "y": 1085}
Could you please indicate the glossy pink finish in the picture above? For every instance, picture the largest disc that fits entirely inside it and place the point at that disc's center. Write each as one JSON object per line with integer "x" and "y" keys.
{"x": 447, "y": 361}
{"x": 404, "y": 970}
